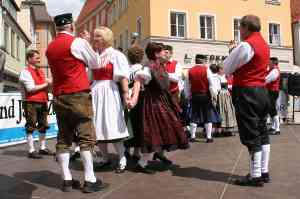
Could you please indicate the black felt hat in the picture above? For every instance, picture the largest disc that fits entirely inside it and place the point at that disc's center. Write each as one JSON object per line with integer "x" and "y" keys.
{"x": 63, "y": 19}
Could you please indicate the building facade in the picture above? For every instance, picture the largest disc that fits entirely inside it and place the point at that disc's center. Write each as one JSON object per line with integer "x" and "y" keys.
{"x": 295, "y": 7}
{"x": 38, "y": 25}
{"x": 13, "y": 45}
{"x": 193, "y": 27}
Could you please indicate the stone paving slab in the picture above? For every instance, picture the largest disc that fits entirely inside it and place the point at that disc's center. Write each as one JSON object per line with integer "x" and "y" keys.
{"x": 202, "y": 172}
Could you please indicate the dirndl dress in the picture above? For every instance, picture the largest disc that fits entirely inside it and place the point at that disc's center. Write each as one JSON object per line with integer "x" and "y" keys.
{"x": 109, "y": 119}
{"x": 159, "y": 126}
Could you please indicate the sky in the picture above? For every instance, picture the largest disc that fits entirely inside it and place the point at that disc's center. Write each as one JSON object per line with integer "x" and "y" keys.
{"x": 56, "y": 7}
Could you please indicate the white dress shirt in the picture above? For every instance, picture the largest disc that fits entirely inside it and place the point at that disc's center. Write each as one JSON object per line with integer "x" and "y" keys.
{"x": 176, "y": 76}
{"x": 239, "y": 56}
{"x": 81, "y": 49}
{"x": 272, "y": 76}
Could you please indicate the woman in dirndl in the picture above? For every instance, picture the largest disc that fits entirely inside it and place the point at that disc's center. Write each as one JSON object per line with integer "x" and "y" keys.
{"x": 160, "y": 128}
{"x": 107, "y": 98}
{"x": 225, "y": 106}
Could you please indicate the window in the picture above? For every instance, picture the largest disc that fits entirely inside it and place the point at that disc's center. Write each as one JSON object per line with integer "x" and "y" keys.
{"x": 114, "y": 13}
{"x": 125, "y": 4}
{"x": 139, "y": 27}
{"x": 18, "y": 47}
{"x": 103, "y": 18}
{"x": 90, "y": 26}
{"x": 126, "y": 38}
{"x": 178, "y": 24}
{"x": 207, "y": 27}
{"x": 110, "y": 18}
{"x": 273, "y": 2}
{"x": 121, "y": 41}
{"x": 98, "y": 17}
{"x": 236, "y": 30}
{"x": 274, "y": 34}
{"x": 13, "y": 44}
{"x": 6, "y": 28}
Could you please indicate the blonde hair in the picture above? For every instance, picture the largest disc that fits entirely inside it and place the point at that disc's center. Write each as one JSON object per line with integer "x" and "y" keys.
{"x": 107, "y": 35}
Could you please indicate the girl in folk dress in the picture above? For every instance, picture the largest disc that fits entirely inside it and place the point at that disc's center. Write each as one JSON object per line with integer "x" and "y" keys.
{"x": 107, "y": 104}
{"x": 135, "y": 56}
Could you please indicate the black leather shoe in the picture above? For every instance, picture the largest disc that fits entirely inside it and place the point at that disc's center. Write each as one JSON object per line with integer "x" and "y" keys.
{"x": 68, "y": 185}
{"x": 145, "y": 170}
{"x": 162, "y": 158}
{"x": 34, "y": 155}
{"x": 248, "y": 181}
{"x": 46, "y": 152}
{"x": 75, "y": 156}
{"x": 90, "y": 187}
{"x": 209, "y": 140}
{"x": 120, "y": 170}
{"x": 266, "y": 177}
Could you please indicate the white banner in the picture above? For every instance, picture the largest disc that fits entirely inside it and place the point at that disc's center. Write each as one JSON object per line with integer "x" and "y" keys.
{"x": 12, "y": 120}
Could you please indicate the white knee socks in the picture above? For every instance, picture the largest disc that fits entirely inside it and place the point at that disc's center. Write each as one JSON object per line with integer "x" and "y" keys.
{"x": 42, "y": 139}
{"x": 193, "y": 129}
{"x": 143, "y": 162}
{"x": 208, "y": 130}
{"x": 63, "y": 159}
{"x": 119, "y": 146}
{"x": 255, "y": 164}
{"x": 87, "y": 160}
{"x": 30, "y": 143}
{"x": 276, "y": 123}
{"x": 265, "y": 158}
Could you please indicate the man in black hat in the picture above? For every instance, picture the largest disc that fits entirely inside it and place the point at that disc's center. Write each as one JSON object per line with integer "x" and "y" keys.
{"x": 199, "y": 80}
{"x": 68, "y": 58}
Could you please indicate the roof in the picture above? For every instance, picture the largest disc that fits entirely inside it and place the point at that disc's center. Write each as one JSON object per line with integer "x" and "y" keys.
{"x": 40, "y": 13}
{"x": 88, "y": 7}
{"x": 295, "y": 7}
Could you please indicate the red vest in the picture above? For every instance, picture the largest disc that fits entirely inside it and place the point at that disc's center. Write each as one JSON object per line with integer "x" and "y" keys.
{"x": 253, "y": 73}
{"x": 274, "y": 85}
{"x": 171, "y": 68}
{"x": 104, "y": 73}
{"x": 38, "y": 78}
{"x": 198, "y": 79}
{"x": 69, "y": 74}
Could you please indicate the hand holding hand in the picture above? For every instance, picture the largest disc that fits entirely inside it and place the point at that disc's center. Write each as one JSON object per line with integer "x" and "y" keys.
{"x": 85, "y": 35}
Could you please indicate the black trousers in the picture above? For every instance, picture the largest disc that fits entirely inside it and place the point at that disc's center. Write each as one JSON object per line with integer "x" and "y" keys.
{"x": 252, "y": 107}
{"x": 273, "y": 96}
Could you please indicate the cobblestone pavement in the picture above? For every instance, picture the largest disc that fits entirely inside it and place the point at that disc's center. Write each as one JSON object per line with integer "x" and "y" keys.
{"x": 202, "y": 172}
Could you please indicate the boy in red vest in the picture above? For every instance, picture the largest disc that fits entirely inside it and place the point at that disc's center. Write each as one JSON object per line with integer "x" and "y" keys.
{"x": 68, "y": 58}
{"x": 248, "y": 62}
{"x": 272, "y": 82}
{"x": 174, "y": 69}
{"x": 35, "y": 99}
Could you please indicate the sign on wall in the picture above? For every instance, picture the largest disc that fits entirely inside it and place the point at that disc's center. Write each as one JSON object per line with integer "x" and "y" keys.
{"x": 12, "y": 120}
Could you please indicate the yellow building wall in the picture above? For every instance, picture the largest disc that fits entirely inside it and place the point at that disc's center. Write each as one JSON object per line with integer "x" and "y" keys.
{"x": 127, "y": 19}
{"x": 224, "y": 12}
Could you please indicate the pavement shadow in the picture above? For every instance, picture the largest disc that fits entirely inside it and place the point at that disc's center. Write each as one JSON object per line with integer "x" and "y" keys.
{"x": 12, "y": 188}
{"x": 202, "y": 174}
{"x": 17, "y": 153}
{"x": 45, "y": 178}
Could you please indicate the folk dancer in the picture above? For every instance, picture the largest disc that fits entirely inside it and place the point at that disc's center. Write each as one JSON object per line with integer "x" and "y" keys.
{"x": 248, "y": 63}
{"x": 200, "y": 91}
{"x": 35, "y": 103}
{"x": 160, "y": 126}
{"x": 272, "y": 84}
{"x": 68, "y": 58}
{"x": 108, "y": 109}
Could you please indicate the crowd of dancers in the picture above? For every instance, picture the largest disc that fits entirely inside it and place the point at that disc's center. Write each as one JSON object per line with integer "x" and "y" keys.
{"x": 148, "y": 108}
